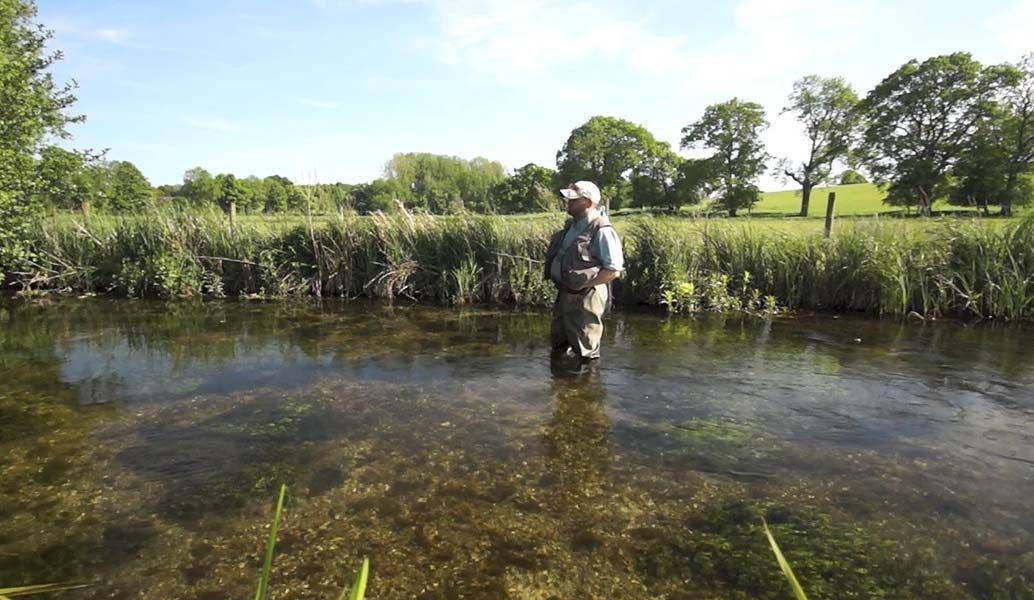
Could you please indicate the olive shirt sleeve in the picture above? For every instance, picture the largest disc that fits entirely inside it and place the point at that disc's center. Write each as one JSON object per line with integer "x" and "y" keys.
{"x": 607, "y": 248}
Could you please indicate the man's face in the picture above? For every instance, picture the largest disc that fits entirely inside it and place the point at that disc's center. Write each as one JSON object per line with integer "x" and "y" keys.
{"x": 578, "y": 206}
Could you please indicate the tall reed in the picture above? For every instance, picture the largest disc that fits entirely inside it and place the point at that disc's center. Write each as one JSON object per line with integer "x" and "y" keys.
{"x": 878, "y": 266}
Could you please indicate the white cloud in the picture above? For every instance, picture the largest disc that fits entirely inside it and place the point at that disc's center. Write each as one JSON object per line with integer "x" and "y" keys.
{"x": 80, "y": 29}
{"x": 110, "y": 35}
{"x": 211, "y": 124}
{"x": 1011, "y": 28}
{"x": 504, "y": 37}
{"x": 319, "y": 103}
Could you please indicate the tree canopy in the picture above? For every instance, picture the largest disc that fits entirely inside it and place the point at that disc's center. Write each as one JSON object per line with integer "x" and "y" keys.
{"x": 529, "y": 189}
{"x": 732, "y": 130}
{"x": 444, "y": 184}
{"x": 825, "y": 108}
{"x": 613, "y": 153}
{"x": 921, "y": 119}
{"x": 32, "y": 108}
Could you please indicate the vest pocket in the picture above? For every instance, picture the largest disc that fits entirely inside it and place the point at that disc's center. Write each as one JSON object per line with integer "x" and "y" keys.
{"x": 584, "y": 251}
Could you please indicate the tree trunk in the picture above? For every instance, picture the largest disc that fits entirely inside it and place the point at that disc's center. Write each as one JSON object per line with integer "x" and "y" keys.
{"x": 732, "y": 212}
{"x": 1010, "y": 184}
{"x": 233, "y": 214}
{"x": 925, "y": 205}
{"x": 805, "y": 198}
{"x": 84, "y": 207}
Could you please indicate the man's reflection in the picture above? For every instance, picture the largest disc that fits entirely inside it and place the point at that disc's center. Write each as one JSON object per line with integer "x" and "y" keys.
{"x": 577, "y": 437}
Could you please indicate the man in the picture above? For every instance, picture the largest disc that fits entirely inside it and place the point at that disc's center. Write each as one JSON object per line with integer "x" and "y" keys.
{"x": 583, "y": 258}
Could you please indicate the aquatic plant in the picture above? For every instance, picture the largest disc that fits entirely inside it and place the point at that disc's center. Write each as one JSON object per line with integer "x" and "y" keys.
{"x": 356, "y": 592}
{"x": 798, "y": 591}
{"x": 42, "y": 588}
{"x": 935, "y": 268}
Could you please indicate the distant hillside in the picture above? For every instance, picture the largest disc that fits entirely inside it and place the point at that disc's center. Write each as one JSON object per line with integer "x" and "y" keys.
{"x": 856, "y": 199}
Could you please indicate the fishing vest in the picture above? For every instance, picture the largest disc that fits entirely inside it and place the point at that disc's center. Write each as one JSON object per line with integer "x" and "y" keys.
{"x": 577, "y": 264}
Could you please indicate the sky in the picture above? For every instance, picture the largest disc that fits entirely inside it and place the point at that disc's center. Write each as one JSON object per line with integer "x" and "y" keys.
{"x": 328, "y": 90}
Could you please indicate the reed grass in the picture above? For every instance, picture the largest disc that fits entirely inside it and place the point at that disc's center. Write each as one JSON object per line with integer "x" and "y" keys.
{"x": 784, "y": 565}
{"x": 42, "y": 588}
{"x": 930, "y": 268}
{"x": 357, "y": 591}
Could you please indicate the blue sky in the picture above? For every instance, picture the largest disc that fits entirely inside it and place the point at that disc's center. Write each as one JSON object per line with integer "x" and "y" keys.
{"x": 328, "y": 90}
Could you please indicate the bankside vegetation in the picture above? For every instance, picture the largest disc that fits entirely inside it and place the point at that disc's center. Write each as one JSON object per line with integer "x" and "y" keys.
{"x": 889, "y": 266}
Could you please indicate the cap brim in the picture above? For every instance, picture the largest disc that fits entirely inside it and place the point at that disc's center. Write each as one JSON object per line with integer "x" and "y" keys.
{"x": 570, "y": 194}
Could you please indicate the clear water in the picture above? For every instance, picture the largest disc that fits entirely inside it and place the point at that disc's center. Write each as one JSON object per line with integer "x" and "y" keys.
{"x": 142, "y": 445}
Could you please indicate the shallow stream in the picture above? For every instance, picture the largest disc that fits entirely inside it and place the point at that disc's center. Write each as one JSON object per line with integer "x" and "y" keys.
{"x": 142, "y": 445}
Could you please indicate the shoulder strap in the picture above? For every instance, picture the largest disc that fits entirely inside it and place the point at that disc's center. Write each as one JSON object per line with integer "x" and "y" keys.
{"x": 599, "y": 226}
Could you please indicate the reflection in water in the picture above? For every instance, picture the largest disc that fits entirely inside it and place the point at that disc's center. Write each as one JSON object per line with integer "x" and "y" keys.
{"x": 893, "y": 459}
{"x": 577, "y": 437}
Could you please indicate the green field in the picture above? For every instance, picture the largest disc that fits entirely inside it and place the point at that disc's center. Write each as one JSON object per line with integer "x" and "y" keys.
{"x": 862, "y": 199}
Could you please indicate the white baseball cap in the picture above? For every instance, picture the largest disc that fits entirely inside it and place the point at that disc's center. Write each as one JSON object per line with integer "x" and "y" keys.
{"x": 582, "y": 189}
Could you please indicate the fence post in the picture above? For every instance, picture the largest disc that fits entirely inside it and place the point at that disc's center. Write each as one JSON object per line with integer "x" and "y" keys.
{"x": 829, "y": 213}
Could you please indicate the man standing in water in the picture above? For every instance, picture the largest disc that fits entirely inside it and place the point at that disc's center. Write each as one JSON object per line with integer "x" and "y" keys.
{"x": 583, "y": 258}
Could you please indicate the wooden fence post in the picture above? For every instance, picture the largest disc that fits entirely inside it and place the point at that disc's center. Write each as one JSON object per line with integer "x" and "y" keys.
{"x": 829, "y": 213}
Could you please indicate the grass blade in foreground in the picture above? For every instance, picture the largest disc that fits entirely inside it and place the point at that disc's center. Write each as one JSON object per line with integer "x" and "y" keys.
{"x": 798, "y": 592}
{"x": 263, "y": 582}
{"x": 358, "y": 591}
{"x": 42, "y": 588}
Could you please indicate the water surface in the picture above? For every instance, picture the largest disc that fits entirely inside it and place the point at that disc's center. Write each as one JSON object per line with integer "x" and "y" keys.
{"x": 142, "y": 444}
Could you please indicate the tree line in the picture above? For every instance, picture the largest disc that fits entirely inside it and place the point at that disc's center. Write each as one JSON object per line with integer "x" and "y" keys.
{"x": 946, "y": 127}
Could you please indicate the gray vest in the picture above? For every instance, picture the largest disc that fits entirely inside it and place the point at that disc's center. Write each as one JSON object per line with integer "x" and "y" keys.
{"x": 577, "y": 264}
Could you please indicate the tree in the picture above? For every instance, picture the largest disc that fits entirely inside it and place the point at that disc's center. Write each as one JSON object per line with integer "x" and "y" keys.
{"x": 1019, "y": 137}
{"x": 378, "y": 195}
{"x": 130, "y": 190}
{"x": 671, "y": 181}
{"x": 825, "y": 106}
{"x": 921, "y": 118}
{"x": 199, "y": 187}
{"x": 979, "y": 174}
{"x": 276, "y": 192}
{"x": 694, "y": 179}
{"x": 61, "y": 178}
{"x": 231, "y": 192}
{"x": 611, "y": 153}
{"x": 529, "y": 189}
{"x": 98, "y": 184}
{"x": 994, "y": 168}
{"x": 733, "y": 131}
{"x": 32, "y": 108}
{"x": 253, "y": 194}
{"x": 851, "y": 177}
{"x": 444, "y": 183}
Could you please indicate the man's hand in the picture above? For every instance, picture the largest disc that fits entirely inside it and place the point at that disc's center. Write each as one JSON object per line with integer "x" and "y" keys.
{"x": 604, "y": 276}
